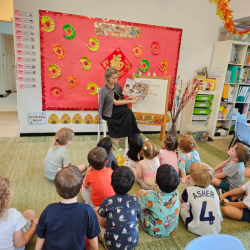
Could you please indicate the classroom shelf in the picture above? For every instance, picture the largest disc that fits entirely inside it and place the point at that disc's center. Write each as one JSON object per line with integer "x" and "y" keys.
{"x": 221, "y": 54}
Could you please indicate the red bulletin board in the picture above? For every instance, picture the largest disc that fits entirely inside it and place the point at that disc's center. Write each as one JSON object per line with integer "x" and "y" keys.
{"x": 79, "y": 98}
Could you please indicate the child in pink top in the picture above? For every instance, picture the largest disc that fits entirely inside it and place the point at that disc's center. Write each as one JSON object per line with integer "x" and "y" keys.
{"x": 168, "y": 155}
{"x": 147, "y": 168}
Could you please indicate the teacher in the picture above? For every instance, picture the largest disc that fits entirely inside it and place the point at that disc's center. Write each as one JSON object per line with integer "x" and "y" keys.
{"x": 113, "y": 108}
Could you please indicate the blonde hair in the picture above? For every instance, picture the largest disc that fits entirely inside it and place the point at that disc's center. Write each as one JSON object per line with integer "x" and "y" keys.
{"x": 149, "y": 150}
{"x": 201, "y": 173}
{"x": 62, "y": 136}
{"x": 187, "y": 144}
{"x": 108, "y": 73}
{"x": 6, "y": 191}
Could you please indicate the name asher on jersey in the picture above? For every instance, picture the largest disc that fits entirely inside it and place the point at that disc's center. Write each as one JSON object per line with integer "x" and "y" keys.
{"x": 204, "y": 193}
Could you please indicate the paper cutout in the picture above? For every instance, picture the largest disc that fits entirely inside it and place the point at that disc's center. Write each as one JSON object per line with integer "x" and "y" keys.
{"x": 20, "y": 66}
{"x": 47, "y": 24}
{"x": 56, "y": 93}
{"x": 17, "y": 19}
{"x": 96, "y": 119}
{"x": 157, "y": 120}
{"x": 138, "y": 50}
{"x": 19, "y": 52}
{"x": 70, "y": 31}
{"x": 88, "y": 119}
{"x": 65, "y": 119}
{"x": 18, "y": 38}
{"x": 18, "y": 25}
{"x": 148, "y": 118}
{"x": 139, "y": 117}
{"x": 93, "y": 88}
{"x": 155, "y": 48}
{"x": 119, "y": 61}
{"x": 19, "y": 45}
{"x": 86, "y": 63}
{"x": 20, "y": 72}
{"x": 93, "y": 44}
{"x": 53, "y": 119}
{"x": 110, "y": 29}
{"x": 21, "y": 86}
{"x": 77, "y": 119}
{"x": 72, "y": 82}
{"x": 20, "y": 79}
{"x": 164, "y": 65}
{"x": 59, "y": 51}
{"x": 54, "y": 70}
{"x": 17, "y": 12}
{"x": 144, "y": 65}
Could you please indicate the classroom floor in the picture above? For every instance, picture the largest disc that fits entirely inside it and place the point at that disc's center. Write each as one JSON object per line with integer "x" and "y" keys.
{"x": 22, "y": 162}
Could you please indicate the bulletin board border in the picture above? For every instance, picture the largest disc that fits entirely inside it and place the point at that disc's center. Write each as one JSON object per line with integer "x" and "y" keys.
{"x": 53, "y": 13}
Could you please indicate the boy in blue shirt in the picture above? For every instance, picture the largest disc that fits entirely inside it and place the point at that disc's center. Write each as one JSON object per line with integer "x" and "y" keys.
{"x": 121, "y": 212}
{"x": 65, "y": 225}
{"x": 160, "y": 207}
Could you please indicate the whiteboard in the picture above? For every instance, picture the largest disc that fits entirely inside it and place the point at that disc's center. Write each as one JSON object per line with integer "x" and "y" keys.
{"x": 156, "y": 98}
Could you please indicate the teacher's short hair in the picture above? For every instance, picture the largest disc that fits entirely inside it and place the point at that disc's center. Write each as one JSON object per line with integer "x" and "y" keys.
{"x": 109, "y": 72}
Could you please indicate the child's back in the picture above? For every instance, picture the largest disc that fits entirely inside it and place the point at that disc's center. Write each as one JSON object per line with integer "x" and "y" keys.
{"x": 204, "y": 216}
{"x": 65, "y": 225}
{"x": 55, "y": 159}
{"x": 201, "y": 210}
{"x": 120, "y": 212}
{"x": 168, "y": 153}
{"x": 98, "y": 178}
{"x": 160, "y": 208}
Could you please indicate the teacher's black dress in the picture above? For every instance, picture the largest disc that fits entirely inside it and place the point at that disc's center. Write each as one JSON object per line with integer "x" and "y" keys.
{"x": 122, "y": 123}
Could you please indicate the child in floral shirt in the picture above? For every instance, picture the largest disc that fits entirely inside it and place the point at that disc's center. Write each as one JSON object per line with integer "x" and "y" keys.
{"x": 160, "y": 207}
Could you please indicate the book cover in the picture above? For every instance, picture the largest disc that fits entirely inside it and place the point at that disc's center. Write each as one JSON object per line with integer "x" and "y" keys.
{"x": 233, "y": 69}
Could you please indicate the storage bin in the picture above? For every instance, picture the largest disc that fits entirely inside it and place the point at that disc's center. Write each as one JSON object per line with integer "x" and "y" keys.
{"x": 199, "y": 123}
{"x": 202, "y": 104}
{"x": 200, "y": 117}
{"x": 201, "y": 111}
{"x": 207, "y": 98}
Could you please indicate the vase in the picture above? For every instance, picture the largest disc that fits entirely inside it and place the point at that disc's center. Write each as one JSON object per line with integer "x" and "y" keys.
{"x": 173, "y": 129}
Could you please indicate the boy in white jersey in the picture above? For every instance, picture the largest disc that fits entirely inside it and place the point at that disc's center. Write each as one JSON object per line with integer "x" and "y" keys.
{"x": 200, "y": 208}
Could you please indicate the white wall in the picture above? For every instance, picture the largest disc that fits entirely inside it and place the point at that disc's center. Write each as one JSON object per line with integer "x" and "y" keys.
{"x": 7, "y": 29}
{"x": 240, "y": 8}
{"x": 197, "y": 19}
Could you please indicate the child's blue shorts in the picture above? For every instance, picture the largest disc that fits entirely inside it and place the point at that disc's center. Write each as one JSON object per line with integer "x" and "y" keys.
{"x": 246, "y": 215}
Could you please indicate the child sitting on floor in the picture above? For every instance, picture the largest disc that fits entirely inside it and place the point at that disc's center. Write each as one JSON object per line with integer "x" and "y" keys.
{"x": 106, "y": 143}
{"x": 168, "y": 153}
{"x": 16, "y": 229}
{"x": 188, "y": 155}
{"x": 230, "y": 173}
{"x": 119, "y": 213}
{"x": 98, "y": 178}
{"x": 57, "y": 156}
{"x": 146, "y": 169}
{"x": 65, "y": 225}
{"x": 200, "y": 208}
{"x": 132, "y": 154}
{"x": 238, "y": 210}
{"x": 160, "y": 208}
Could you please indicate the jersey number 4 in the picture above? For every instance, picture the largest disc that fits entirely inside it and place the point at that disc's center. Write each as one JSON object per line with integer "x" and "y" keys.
{"x": 210, "y": 218}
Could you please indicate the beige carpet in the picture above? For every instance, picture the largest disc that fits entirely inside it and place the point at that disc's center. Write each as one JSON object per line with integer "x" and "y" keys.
{"x": 22, "y": 162}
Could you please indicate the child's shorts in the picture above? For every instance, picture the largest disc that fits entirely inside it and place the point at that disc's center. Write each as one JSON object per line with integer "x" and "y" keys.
{"x": 224, "y": 185}
{"x": 25, "y": 229}
{"x": 246, "y": 215}
{"x": 86, "y": 195}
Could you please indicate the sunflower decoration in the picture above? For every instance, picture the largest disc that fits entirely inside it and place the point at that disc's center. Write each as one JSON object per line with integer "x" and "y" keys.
{"x": 163, "y": 65}
{"x": 85, "y": 63}
{"x": 138, "y": 50}
{"x": 72, "y": 82}
{"x": 59, "y": 51}
{"x": 70, "y": 31}
{"x": 155, "y": 48}
{"x": 144, "y": 65}
{"x": 93, "y": 44}
{"x": 56, "y": 93}
{"x": 47, "y": 24}
{"x": 54, "y": 70}
{"x": 93, "y": 88}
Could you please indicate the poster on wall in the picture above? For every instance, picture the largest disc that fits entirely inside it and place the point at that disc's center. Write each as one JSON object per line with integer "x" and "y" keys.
{"x": 37, "y": 118}
{"x": 76, "y": 50}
